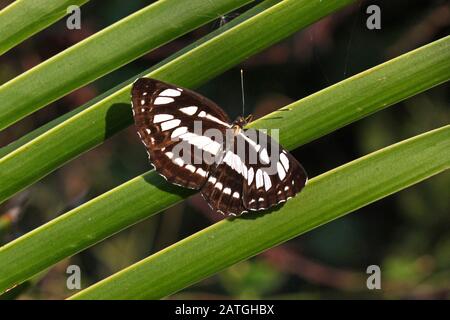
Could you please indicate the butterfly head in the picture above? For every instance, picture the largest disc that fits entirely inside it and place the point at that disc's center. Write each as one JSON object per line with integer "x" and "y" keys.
{"x": 242, "y": 122}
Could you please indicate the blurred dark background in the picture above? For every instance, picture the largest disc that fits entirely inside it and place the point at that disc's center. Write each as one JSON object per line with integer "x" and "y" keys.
{"x": 406, "y": 234}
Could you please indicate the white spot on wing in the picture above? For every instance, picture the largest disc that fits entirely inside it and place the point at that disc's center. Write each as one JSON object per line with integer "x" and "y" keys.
{"x": 162, "y": 117}
{"x": 170, "y": 93}
{"x": 251, "y": 174}
{"x": 202, "y": 172}
{"x": 234, "y": 161}
{"x": 281, "y": 172}
{"x": 169, "y": 155}
{"x": 202, "y": 142}
{"x": 179, "y": 161}
{"x": 212, "y": 179}
{"x": 163, "y": 100}
{"x": 244, "y": 171}
{"x": 259, "y": 179}
{"x": 216, "y": 120}
{"x": 186, "y": 136}
{"x": 199, "y": 141}
{"x": 264, "y": 156}
{"x": 285, "y": 161}
{"x": 227, "y": 158}
{"x": 218, "y": 185}
{"x": 227, "y": 190}
{"x": 170, "y": 124}
{"x": 237, "y": 163}
{"x": 267, "y": 181}
{"x": 212, "y": 147}
{"x": 178, "y": 131}
{"x": 189, "y": 110}
{"x": 190, "y": 168}
{"x": 236, "y": 195}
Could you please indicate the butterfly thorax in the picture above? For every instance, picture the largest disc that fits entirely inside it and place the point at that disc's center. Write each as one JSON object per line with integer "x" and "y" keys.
{"x": 240, "y": 123}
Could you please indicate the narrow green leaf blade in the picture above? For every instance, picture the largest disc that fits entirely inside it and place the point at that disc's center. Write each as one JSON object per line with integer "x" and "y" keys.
{"x": 23, "y": 18}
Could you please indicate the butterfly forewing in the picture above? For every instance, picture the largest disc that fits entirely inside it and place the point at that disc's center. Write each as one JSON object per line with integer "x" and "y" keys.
{"x": 171, "y": 122}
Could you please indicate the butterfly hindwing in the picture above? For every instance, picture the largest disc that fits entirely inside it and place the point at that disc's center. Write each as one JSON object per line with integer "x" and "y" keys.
{"x": 165, "y": 117}
{"x": 269, "y": 185}
{"x": 223, "y": 190}
{"x": 254, "y": 174}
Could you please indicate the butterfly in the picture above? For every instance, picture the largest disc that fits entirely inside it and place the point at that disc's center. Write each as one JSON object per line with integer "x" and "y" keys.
{"x": 191, "y": 142}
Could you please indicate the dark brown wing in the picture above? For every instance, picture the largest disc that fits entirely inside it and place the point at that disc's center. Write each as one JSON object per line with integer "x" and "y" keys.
{"x": 273, "y": 174}
{"x": 255, "y": 173}
{"x": 173, "y": 122}
{"x": 223, "y": 190}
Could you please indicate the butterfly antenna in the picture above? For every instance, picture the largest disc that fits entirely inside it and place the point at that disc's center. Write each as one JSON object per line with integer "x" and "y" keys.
{"x": 242, "y": 92}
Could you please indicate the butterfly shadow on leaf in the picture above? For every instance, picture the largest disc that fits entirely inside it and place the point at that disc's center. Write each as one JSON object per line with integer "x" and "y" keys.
{"x": 118, "y": 116}
{"x": 253, "y": 215}
{"x": 156, "y": 180}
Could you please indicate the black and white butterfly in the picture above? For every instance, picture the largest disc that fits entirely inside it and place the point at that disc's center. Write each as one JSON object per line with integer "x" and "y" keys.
{"x": 245, "y": 171}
